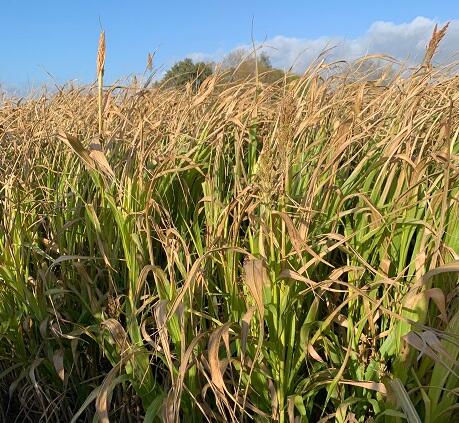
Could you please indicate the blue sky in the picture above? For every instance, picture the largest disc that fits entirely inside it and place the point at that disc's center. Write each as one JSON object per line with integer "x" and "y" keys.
{"x": 60, "y": 37}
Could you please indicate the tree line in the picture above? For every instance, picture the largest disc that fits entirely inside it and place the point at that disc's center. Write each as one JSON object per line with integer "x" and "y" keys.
{"x": 238, "y": 65}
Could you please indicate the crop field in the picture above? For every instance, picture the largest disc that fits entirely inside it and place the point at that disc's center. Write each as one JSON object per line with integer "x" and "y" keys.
{"x": 269, "y": 252}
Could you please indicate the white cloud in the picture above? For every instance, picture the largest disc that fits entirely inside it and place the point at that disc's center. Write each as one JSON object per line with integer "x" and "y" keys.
{"x": 207, "y": 57}
{"x": 406, "y": 42}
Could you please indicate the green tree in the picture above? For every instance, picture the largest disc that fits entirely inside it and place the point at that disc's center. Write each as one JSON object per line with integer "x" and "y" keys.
{"x": 241, "y": 64}
{"x": 186, "y": 71}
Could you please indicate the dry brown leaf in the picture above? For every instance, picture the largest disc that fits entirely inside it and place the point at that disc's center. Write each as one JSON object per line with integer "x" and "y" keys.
{"x": 58, "y": 362}
{"x": 98, "y": 156}
{"x": 256, "y": 278}
{"x": 118, "y": 333}
{"x": 427, "y": 343}
{"x": 314, "y": 354}
{"x": 438, "y": 297}
{"x": 78, "y": 148}
{"x": 214, "y": 359}
{"x": 373, "y": 386}
{"x": 274, "y": 400}
{"x": 161, "y": 320}
{"x": 246, "y": 318}
{"x": 450, "y": 267}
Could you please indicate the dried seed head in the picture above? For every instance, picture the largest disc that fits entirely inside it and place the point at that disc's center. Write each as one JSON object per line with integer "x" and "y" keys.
{"x": 269, "y": 175}
{"x": 101, "y": 54}
{"x": 113, "y": 307}
{"x": 149, "y": 62}
{"x": 437, "y": 36}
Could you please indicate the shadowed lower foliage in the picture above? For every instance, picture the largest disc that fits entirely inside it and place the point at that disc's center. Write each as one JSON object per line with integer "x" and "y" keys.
{"x": 250, "y": 252}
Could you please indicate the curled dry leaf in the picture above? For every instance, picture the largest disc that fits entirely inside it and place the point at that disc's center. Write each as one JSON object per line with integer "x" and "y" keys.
{"x": 98, "y": 156}
{"x": 58, "y": 362}
{"x": 314, "y": 354}
{"x": 428, "y": 343}
{"x": 77, "y": 148}
{"x": 373, "y": 386}
{"x": 256, "y": 279}
{"x": 160, "y": 313}
{"x": 118, "y": 333}
{"x": 94, "y": 158}
{"x": 214, "y": 359}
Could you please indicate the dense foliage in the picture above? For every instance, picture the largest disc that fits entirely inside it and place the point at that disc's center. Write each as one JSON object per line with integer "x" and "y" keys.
{"x": 233, "y": 253}
{"x": 186, "y": 71}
